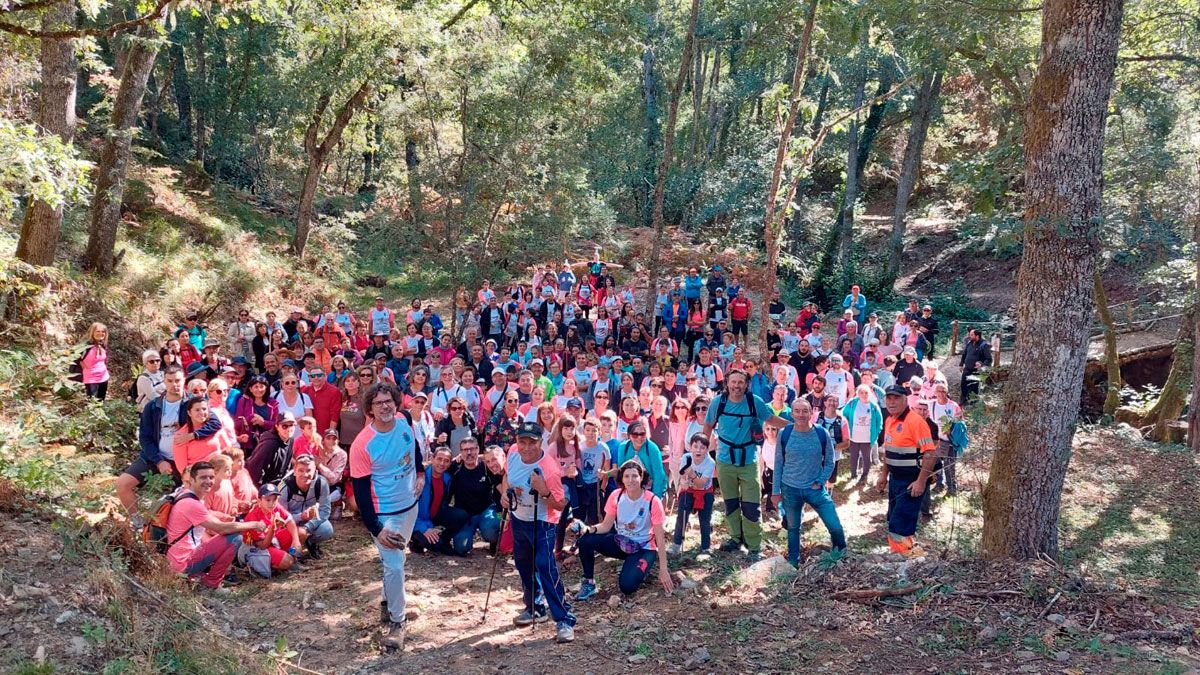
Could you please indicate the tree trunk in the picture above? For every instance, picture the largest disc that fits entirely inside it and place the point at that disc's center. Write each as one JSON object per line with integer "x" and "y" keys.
{"x": 116, "y": 150}
{"x": 317, "y": 153}
{"x": 1064, "y": 151}
{"x": 1169, "y": 404}
{"x": 1112, "y": 398}
{"x": 772, "y": 223}
{"x": 668, "y": 148}
{"x": 845, "y": 219}
{"x": 42, "y": 227}
{"x": 875, "y": 115}
{"x": 910, "y": 167}
{"x": 822, "y": 103}
{"x": 200, "y": 133}
{"x": 411, "y": 161}
{"x": 181, "y": 86}
{"x": 1193, "y": 434}
{"x": 651, "y": 134}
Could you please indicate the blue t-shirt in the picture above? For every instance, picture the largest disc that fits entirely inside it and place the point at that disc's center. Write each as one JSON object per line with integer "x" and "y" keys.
{"x": 735, "y": 426}
{"x": 566, "y": 281}
{"x": 593, "y": 459}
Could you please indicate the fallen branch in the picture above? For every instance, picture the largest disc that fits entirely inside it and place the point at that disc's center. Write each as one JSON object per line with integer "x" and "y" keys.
{"x": 875, "y": 593}
{"x": 989, "y": 595}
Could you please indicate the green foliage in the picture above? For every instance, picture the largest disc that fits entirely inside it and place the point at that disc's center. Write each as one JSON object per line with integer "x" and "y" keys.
{"x": 38, "y": 166}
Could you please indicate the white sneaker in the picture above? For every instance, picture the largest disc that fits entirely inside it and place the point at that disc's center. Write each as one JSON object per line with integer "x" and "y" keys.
{"x": 565, "y": 633}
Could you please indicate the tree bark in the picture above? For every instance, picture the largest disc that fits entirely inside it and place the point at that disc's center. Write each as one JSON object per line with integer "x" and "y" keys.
{"x": 1169, "y": 404}
{"x": 668, "y": 148}
{"x": 1064, "y": 151}
{"x": 772, "y": 223}
{"x": 42, "y": 226}
{"x": 317, "y": 152}
{"x": 181, "y": 86}
{"x": 200, "y": 107}
{"x": 1112, "y": 397}
{"x": 651, "y": 133}
{"x": 910, "y": 167}
{"x": 111, "y": 172}
{"x": 822, "y": 103}
{"x": 411, "y": 161}
{"x": 845, "y": 227}
{"x": 1193, "y": 433}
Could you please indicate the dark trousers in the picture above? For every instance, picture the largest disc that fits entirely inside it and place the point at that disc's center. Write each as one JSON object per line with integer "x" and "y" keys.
{"x": 634, "y": 570}
{"x": 903, "y": 508}
{"x": 97, "y": 391}
{"x": 542, "y": 567}
{"x": 968, "y": 388}
{"x": 451, "y": 519}
{"x": 688, "y": 506}
{"x": 585, "y": 507}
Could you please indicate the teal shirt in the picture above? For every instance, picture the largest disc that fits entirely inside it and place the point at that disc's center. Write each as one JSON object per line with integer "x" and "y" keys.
{"x": 736, "y": 428}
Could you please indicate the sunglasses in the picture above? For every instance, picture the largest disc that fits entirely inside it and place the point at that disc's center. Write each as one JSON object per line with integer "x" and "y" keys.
{"x": 287, "y": 424}
{"x": 637, "y": 434}
{"x": 154, "y": 361}
{"x": 457, "y": 407}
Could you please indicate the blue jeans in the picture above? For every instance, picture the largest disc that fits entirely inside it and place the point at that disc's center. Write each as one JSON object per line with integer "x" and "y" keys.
{"x": 794, "y": 500}
{"x": 486, "y": 523}
{"x": 903, "y": 508}
{"x": 533, "y": 556}
{"x": 634, "y": 570}
{"x": 320, "y": 533}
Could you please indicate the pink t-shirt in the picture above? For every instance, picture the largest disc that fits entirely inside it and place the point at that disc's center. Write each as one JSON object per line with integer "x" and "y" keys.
{"x": 187, "y": 454}
{"x": 186, "y": 516}
{"x": 95, "y": 365}
{"x": 243, "y": 487}
{"x": 221, "y": 499}
{"x": 635, "y": 518}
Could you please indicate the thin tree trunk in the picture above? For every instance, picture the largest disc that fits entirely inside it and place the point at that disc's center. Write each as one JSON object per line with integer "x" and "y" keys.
{"x": 181, "y": 87}
{"x": 822, "y": 103}
{"x": 668, "y": 148}
{"x": 42, "y": 226}
{"x": 411, "y": 161}
{"x": 1194, "y": 411}
{"x": 1171, "y": 400}
{"x": 318, "y": 152}
{"x": 200, "y": 107}
{"x": 1112, "y": 397}
{"x": 772, "y": 224}
{"x": 845, "y": 227}
{"x": 112, "y": 170}
{"x": 651, "y": 134}
{"x": 910, "y": 167}
{"x": 1064, "y": 151}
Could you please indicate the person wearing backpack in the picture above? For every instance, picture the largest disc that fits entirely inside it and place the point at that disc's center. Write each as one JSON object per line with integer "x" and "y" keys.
{"x": 149, "y": 383}
{"x": 738, "y": 418}
{"x": 804, "y": 459}
{"x": 186, "y": 522}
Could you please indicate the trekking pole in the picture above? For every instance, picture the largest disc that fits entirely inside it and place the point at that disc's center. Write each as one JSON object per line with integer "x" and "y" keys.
{"x": 533, "y": 561}
{"x": 496, "y": 560}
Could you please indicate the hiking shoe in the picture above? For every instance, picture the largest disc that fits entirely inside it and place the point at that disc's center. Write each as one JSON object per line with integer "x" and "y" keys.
{"x": 565, "y": 632}
{"x": 731, "y": 546}
{"x": 391, "y": 635}
{"x": 528, "y": 618}
{"x": 674, "y": 549}
{"x": 587, "y": 590}
{"x": 384, "y": 615}
{"x": 754, "y": 556}
{"x": 314, "y": 550}
{"x": 297, "y": 568}
{"x": 219, "y": 591}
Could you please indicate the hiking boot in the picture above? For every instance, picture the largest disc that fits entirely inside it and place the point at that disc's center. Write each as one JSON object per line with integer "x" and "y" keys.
{"x": 297, "y": 568}
{"x": 754, "y": 556}
{"x": 528, "y": 618}
{"x": 731, "y": 546}
{"x": 674, "y": 549}
{"x": 384, "y": 615}
{"x": 336, "y": 513}
{"x": 314, "y": 550}
{"x": 565, "y": 632}
{"x": 231, "y": 579}
{"x": 587, "y": 590}
{"x": 391, "y": 635}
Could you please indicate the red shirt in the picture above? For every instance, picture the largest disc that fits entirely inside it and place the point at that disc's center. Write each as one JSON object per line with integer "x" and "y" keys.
{"x": 438, "y": 486}
{"x": 327, "y": 406}
{"x": 739, "y": 309}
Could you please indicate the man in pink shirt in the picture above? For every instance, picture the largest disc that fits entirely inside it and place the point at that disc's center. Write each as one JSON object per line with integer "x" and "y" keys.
{"x": 186, "y": 522}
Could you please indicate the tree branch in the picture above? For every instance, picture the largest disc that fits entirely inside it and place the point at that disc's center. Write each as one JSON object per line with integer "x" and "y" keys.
{"x": 1185, "y": 58}
{"x": 999, "y": 10}
{"x": 25, "y": 6}
{"x": 101, "y": 31}
{"x": 460, "y": 14}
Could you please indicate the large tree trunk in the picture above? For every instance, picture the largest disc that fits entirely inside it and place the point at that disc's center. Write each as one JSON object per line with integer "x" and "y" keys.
{"x": 772, "y": 222}
{"x": 317, "y": 152}
{"x": 1193, "y": 434}
{"x": 651, "y": 132}
{"x": 114, "y": 155}
{"x": 910, "y": 167}
{"x": 42, "y": 227}
{"x": 668, "y": 148}
{"x": 1064, "y": 151}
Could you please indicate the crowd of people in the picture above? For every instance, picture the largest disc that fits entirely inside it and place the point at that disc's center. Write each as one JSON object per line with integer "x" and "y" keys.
{"x": 550, "y": 418}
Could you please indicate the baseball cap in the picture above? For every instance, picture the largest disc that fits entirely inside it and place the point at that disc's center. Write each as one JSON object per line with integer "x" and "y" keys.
{"x": 604, "y": 362}
{"x": 816, "y": 324}
{"x": 896, "y": 390}
{"x": 212, "y": 343}
{"x": 195, "y": 368}
{"x": 331, "y": 432}
{"x": 537, "y": 362}
{"x": 530, "y": 430}
{"x": 287, "y": 417}
{"x": 420, "y": 394}
{"x": 835, "y": 358}
{"x": 910, "y": 350}
{"x": 574, "y": 402}
{"x": 268, "y": 489}
{"x": 289, "y": 363}
{"x": 240, "y": 361}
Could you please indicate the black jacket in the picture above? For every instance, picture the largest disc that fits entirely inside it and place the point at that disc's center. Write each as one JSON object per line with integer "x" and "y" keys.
{"x": 980, "y": 351}
{"x": 271, "y": 459}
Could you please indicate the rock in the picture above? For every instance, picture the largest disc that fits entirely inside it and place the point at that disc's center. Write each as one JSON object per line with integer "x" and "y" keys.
{"x": 636, "y": 658}
{"x": 241, "y": 633}
{"x": 21, "y": 591}
{"x": 56, "y": 557}
{"x": 39, "y": 655}
{"x": 318, "y": 605}
{"x": 687, "y": 583}
{"x": 78, "y": 646}
{"x": 701, "y": 655}
{"x": 763, "y": 571}
{"x": 1056, "y": 619}
{"x": 987, "y": 634}
{"x": 1124, "y": 430}
{"x": 1026, "y": 655}
{"x": 614, "y": 601}
{"x": 24, "y": 552}
{"x": 411, "y": 615}
{"x": 66, "y": 616}
{"x": 1062, "y": 657}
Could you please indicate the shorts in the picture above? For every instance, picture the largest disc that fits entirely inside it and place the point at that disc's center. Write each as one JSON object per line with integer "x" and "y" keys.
{"x": 140, "y": 467}
{"x": 741, "y": 326}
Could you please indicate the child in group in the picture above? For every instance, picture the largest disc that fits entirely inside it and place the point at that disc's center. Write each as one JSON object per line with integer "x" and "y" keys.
{"x": 244, "y": 492}
{"x": 695, "y": 493}
{"x": 221, "y": 502}
{"x": 308, "y": 442}
{"x": 726, "y": 349}
{"x": 595, "y": 459}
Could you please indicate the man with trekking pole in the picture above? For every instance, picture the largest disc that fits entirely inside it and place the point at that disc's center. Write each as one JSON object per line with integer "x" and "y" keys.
{"x": 532, "y": 492}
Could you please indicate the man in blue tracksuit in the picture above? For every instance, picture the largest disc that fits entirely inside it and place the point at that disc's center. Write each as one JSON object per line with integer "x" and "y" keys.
{"x": 804, "y": 459}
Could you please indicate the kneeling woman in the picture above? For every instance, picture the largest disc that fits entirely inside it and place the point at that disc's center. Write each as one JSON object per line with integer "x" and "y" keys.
{"x": 632, "y": 531}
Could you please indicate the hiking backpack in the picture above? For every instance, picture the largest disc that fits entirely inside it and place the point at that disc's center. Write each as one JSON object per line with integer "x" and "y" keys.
{"x": 155, "y": 530}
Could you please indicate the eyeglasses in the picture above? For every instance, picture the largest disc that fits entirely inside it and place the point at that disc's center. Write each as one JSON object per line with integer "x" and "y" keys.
{"x": 153, "y": 360}
{"x": 291, "y": 381}
{"x": 601, "y": 396}
{"x": 457, "y": 407}
{"x": 383, "y": 403}
{"x": 366, "y": 373}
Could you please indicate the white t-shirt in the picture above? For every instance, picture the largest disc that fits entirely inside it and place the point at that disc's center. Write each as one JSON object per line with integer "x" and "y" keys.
{"x": 837, "y": 384}
{"x": 944, "y": 416}
{"x": 170, "y": 424}
{"x": 704, "y": 470}
{"x": 860, "y": 424}
{"x": 297, "y": 409}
